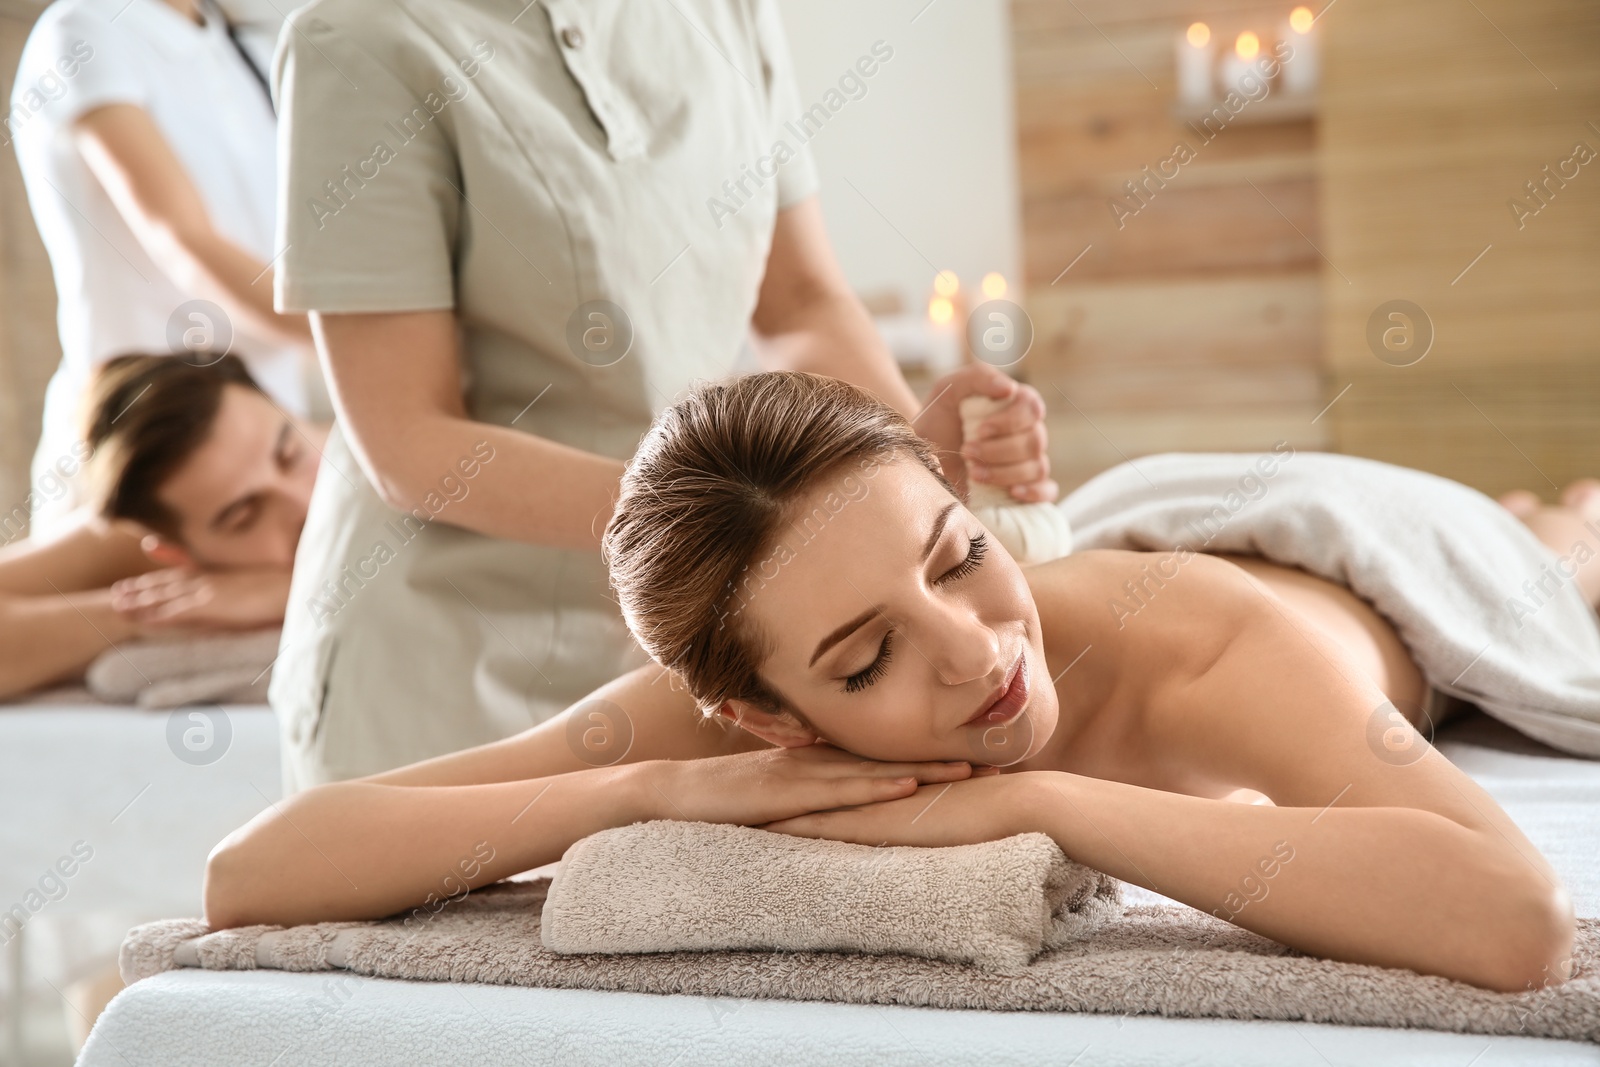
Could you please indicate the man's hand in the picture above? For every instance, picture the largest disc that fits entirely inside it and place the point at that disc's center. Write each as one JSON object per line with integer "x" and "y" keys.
{"x": 1010, "y": 450}
{"x": 182, "y": 597}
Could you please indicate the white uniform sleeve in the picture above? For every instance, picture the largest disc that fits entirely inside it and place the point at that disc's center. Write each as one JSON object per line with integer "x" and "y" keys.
{"x": 74, "y": 62}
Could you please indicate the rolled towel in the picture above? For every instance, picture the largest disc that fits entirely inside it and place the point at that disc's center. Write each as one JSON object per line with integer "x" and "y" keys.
{"x": 670, "y": 886}
{"x": 1032, "y": 533}
{"x": 226, "y": 667}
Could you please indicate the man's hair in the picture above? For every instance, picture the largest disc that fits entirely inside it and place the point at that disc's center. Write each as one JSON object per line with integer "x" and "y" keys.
{"x": 143, "y": 417}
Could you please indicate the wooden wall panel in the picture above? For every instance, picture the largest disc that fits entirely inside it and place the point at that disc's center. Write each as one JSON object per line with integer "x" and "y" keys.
{"x": 1434, "y": 116}
{"x": 1195, "y": 323}
{"x": 1226, "y": 365}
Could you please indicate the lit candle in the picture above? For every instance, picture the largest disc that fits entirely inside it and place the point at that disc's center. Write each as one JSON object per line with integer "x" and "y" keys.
{"x": 1241, "y": 62}
{"x": 1195, "y": 64}
{"x": 1300, "y": 70}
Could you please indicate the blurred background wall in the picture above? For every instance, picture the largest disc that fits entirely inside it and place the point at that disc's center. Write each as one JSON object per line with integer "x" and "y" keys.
{"x": 1453, "y": 131}
{"x": 29, "y": 350}
{"x": 1232, "y": 307}
{"x": 920, "y": 174}
{"x": 1186, "y": 314}
{"x": 1224, "y": 308}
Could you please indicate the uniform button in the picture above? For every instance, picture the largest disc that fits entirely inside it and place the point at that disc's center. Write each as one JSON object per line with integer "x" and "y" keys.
{"x": 572, "y": 37}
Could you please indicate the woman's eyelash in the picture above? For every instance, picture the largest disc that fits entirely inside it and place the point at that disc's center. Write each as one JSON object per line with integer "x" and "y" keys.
{"x": 873, "y": 671}
{"x": 977, "y": 548}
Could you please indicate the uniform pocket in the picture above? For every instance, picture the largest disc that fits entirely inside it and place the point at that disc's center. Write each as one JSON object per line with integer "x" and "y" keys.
{"x": 299, "y": 690}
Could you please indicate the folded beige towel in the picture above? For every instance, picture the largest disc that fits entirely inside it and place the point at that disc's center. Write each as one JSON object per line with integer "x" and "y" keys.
{"x": 1164, "y": 959}
{"x": 672, "y": 886}
{"x": 168, "y": 672}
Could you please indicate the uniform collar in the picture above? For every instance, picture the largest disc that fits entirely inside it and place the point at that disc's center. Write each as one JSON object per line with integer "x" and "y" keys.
{"x": 177, "y": 32}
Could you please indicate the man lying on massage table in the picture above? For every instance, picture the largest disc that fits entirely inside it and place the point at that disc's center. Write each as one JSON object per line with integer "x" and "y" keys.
{"x": 198, "y": 485}
{"x": 961, "y": 699}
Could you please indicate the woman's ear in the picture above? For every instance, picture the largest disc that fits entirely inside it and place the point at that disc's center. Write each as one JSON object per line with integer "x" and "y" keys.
{"x": 781, "y": 729}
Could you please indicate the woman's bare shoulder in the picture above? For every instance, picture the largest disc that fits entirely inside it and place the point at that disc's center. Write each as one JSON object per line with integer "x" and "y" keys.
{"x": 1136, "y": 600}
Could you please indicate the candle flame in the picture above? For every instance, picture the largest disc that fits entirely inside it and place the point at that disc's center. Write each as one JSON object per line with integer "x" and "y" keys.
{"x": 945, "y": 283}
{"x": 1199, "y": 33}
{"x": 994, "y": 285}
{"x": 941, "y": 310}
{"x": 1247, "y": 46}
{"x": 1300, "y": 19}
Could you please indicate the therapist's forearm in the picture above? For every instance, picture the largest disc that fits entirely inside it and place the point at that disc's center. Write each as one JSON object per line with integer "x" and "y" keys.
{"x": 396, "y": 385}
{"x": 832, "y": 334}
{"x": 156, "y": 196}
{"x": 531, "y": 489}
{"x": 203, "y": 261}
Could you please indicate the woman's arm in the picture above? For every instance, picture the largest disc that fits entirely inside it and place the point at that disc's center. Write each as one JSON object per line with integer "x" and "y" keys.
{"x": 55, "y": 607}
{"x": 374, "y": 846}
{"x": 402, "y": 827}
{"x": 1390, "y": 886}
{"x": 147, "y": 182}
{"x": 395, "y": 379}
{"x": 1363, "y": 858}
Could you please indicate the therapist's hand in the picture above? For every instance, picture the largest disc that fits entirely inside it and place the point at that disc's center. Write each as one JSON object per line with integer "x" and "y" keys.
{"x": 1010, "y": 450}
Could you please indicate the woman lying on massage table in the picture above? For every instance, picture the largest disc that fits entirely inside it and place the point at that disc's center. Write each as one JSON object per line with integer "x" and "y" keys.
{"x": 897, "y": 679}
{"x": 202, "y": 485}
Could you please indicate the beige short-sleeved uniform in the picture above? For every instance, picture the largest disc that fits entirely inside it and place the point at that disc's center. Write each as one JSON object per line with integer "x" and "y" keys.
{"x": 519, "y": 165}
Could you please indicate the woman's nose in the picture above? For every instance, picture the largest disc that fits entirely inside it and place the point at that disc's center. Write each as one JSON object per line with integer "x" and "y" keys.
{"x": 961, "y": 646}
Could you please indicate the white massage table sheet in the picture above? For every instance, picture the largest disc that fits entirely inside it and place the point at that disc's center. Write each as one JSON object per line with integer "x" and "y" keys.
{"x": 109, "y": 777}
{"x": 192, "y": 1017}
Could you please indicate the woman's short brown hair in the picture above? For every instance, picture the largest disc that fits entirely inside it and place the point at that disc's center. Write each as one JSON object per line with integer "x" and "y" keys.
{"x": 708, "y": 489}
{"x": 143, "y": 416}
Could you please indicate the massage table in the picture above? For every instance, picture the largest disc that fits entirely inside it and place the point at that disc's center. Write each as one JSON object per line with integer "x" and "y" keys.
{"x": 73, "y": 770}
{"x": 214, "y": 1018}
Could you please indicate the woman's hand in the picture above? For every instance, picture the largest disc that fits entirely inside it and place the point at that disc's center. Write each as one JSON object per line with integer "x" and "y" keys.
{"x": 182, "y": 597}
{"x": 751, "y": 788}
{"x": 1010, "y": 450}
{"x": 986, "y": 807}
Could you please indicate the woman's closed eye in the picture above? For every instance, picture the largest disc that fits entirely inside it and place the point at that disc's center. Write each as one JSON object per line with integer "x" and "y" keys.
{"x": 874, "y": 670}
{"x": 977, "y": 548}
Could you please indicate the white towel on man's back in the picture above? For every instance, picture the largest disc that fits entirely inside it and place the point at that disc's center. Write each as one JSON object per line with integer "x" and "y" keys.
{"x": 1480, "y": 603}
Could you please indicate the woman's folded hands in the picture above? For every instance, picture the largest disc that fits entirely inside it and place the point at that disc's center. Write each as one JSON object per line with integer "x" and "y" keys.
{"x": 987, "y": 806}
{"x": 775, "y": 785}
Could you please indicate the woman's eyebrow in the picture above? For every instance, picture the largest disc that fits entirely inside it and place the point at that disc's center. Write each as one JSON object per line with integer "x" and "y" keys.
{"x": 939, "y": 522}
{"x": 841, "y": 633}
{"x": 938, "y": 528}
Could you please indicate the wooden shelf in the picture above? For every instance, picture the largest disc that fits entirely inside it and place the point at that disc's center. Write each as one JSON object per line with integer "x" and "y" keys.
{"x": 1278, "y": 107}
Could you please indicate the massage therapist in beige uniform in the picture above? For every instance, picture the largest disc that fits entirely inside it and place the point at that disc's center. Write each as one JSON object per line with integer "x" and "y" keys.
{"x": 520, "y": 232}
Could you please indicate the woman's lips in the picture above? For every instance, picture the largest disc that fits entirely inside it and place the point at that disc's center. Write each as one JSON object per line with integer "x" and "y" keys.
{"x": 1011, "y": 700}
